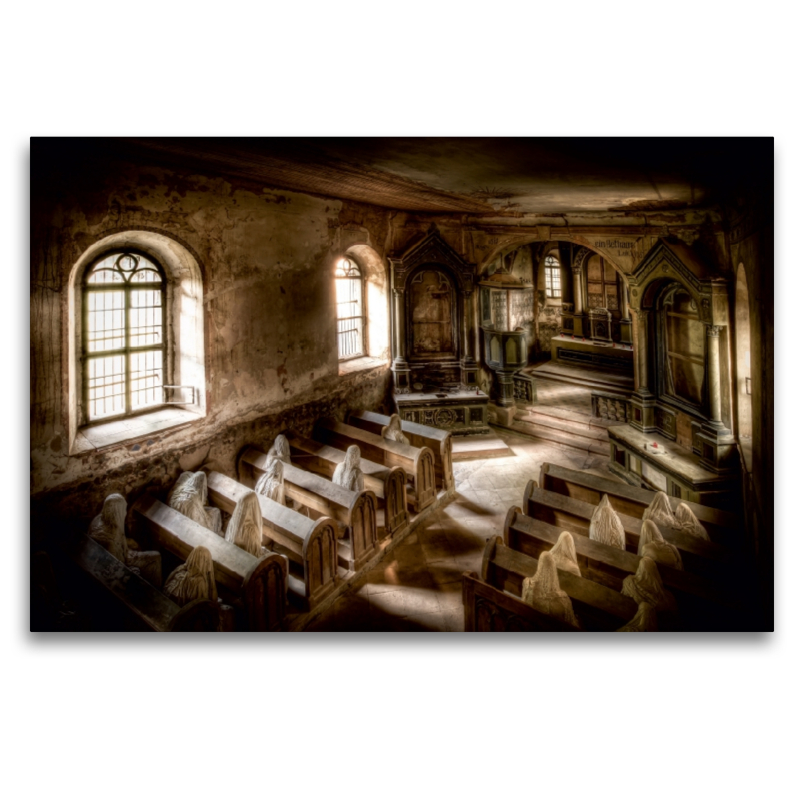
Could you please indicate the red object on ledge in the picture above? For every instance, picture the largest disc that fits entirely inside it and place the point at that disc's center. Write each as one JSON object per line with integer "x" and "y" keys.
{"x": 655, "y": 444}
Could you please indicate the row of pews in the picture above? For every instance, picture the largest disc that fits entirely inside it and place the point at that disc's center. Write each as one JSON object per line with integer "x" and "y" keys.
{"x": 308, "y": 550}
{"x": 707, "y": 590}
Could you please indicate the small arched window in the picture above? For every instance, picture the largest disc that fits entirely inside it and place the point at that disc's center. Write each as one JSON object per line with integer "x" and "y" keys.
{"x": 552, "y": 276}
{"x": 350, "y": 325}
{"x": 124, "y": 340}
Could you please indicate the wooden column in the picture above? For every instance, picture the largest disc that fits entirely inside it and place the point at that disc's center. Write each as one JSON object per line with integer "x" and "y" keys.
{"x": 714, "y": 380}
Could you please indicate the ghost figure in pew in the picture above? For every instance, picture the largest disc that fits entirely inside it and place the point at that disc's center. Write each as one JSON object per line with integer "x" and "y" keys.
{"x": 606, "y": 527}
{"x": 193, "y": 580}
{"x": 280, "y": 450}
{"x": 651, "y": 543}
{"x": 544, "y": 593}
{"x": 244, "y": 529}
{"x": 394, "y": 430}
{"x": 348, "y": 474}
{"x": 644, "y": 621}
{"x": 687, "y": 522}
{"x": 189, "y": 495}
{"x": 646, "y": 586}
{"x": 108, "y": 529}
{"x": 660, "y": 511}
{"x": 563, "y": 551}
{"x": 270, "y": 484}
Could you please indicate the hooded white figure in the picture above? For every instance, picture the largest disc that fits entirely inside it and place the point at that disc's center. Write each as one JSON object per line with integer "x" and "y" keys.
{"x": 270, "y": 484}
{"x": 544, "y": 593}
{"x": 644, "y": 621}
{"x": 348, "y": 474}
{"x": 108, "y": 529}
{"x": 646, "y": 586}
{"x": 280, "y": 450}
{"x": 394, "y": 430}
{"x": 606, "y": 526}
{"x": 660, "y": 511}
{"x": 651, "y": 543}
{"x": 193, "y": 580}
{"x": 244, "y": 528}
{"x": 563, "y": 552}
{"x": 189, "y": 495}
{"x": 688, "y": 522}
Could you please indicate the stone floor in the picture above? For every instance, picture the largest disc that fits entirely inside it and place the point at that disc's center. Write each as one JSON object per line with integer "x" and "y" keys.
{"x": 417, "y": 587}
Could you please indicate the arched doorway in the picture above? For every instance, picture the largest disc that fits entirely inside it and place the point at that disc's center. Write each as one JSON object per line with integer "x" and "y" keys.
{"x": 744, "y": 406}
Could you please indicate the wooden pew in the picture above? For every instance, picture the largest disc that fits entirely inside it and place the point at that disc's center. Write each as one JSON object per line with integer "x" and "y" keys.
{"x": 356, "y": 511}
{"x": 310, "y": 543}
{"x": 258, "y": 583}
{"x": 416, "y": 461}
{"x": 440, "y": 442}
{"x": 722, "y": 526}
{"x": 489, "y": 610}
{"x": 567, "y": 514}
{"x": 388, "y": 483}
{"x": 703, "y": 604}
{"x": 598, "y": 607}
{"x": 152, "y": 609}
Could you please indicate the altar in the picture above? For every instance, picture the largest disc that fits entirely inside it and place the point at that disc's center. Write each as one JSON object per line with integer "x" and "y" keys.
{"x": 458, "y": 410}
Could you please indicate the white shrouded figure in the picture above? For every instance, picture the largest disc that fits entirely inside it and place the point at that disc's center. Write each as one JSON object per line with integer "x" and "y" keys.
{"x": 651, "y": 543}
{"x": 189, "y": 495}
{"x": 193, "y": 580}
{"x": 108, "y": 529}
{"x": 244, "y": 528}
{"x": 394, "y": 430}
{"x": 563, "y": 552}
{"x": 660, "y": 511}
{"x": 348, "y": 474}
{"x": 688, "y": 522}
{"x": 606, "y": 526}
{"x": 280, "y": 450}
{"x": 644, "y": 621}
{"x": 544, "y": 593}
{"x": 646, "y": 586}
{"x": 270, "y": 484}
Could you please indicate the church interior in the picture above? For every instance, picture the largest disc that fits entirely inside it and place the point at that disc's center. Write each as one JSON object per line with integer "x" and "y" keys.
{"x": 401, "y": 384}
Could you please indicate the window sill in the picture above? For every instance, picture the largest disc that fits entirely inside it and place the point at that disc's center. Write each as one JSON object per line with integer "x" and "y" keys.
{"x": 360, "y": 365}
{"x": 131, "y": 429}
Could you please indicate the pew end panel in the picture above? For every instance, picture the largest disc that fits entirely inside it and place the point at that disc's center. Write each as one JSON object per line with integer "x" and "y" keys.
{"x": 264, "y": 593}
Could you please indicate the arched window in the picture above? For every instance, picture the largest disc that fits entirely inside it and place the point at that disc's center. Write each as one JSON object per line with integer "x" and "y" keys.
{"x": 552, "y": 276}
{"x": 349, "y": 309}
{"x": 124, "y": 339}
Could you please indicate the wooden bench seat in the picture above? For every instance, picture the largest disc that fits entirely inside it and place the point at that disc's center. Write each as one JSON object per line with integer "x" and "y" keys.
{"x": 388, "y": 483}
{"x": 722, "y": 526}
{"x": 309, "y": 543}
{"x": 598, "y": 607}
{"x": 355, "y": 511}
{"x": 259, "y": 584}
{"x": 417, "y": 462}
{"x": 566, "y": 513}
{"x": 490, "y": 610}
{"x": 440, "y": 442}
{"x": 151, "y": 608}
{"x": 704, "y": 604}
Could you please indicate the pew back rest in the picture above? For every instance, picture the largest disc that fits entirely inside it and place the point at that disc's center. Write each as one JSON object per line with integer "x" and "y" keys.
{"x": 487, "y": 609}
{"x": 631, "y": 500}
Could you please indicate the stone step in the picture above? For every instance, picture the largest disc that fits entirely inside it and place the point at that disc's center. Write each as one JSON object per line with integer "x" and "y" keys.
{"x": 481, "y": 446}
{"x": 581, "y": 430}
{"x": 557, "y": 413}
{"x": 562, "y": 437}
{"x": 605, "y": 381}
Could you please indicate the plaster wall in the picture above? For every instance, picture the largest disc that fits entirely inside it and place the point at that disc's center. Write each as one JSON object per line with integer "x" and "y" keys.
{"x": 269, "y": 317}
